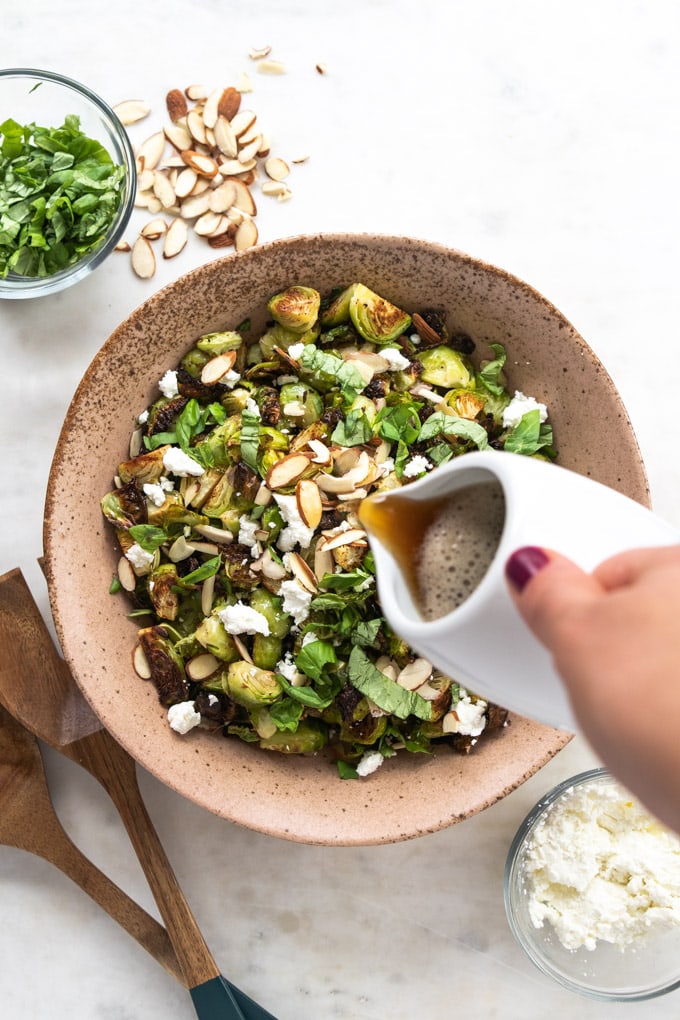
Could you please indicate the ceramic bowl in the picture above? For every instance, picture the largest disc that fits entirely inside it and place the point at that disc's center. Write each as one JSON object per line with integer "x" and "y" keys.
{"x": 302, "y": 798}
{"x": 644, "y": 968}
{"x": 45, "y": 98}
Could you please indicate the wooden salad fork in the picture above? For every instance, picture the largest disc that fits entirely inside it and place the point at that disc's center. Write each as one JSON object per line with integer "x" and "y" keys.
{"x": 29, "y": 822}
{"x": 62, "y": 718}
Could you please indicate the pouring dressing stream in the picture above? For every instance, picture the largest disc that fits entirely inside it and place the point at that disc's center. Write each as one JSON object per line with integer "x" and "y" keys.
{"x": 440, "y": 545}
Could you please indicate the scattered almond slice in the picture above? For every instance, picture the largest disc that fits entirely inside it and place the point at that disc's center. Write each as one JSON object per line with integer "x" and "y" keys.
{"x": 178, "y": 135}
{"x": 126, "y": 574}
{"x": 140, "y": 663}
{"x": 246, "y": 235}
{"x": 223, "y": 197}
{"x": 176, "y": 104}
{"x": 130, "y": 111}
{"x": 243, "y": 83}
{"x": 175, "y": 238}
{"x": 195, "y": 205}
{"x": 225, "y": 138}
{"x": 302, "y": 572}
{"x": 143, "y": 259}
{"x": 200, "y": 163}
{"x": 244, "y": 198}
{"x": 271, "y": 67}
{"x": 186, "y": 181}
{"x": 414, "y": 675}
{"x": 242, "y": 122}
{"x": 309, "y": 503}
{"x": 201, "y": 666}
{"x": 151, "y": 150}
{"x": 351, "y": 536}
{"x": 228, "y": 104}
{"x": 196, "y": 93}
{"x": 154, "y": 229}
{"x": 123, "y": 246}
{"x": 276, "y": 168}
{"x": 163, "y": 190}
{"x": 217, "y": 367}
{"x": 288, "y": 469}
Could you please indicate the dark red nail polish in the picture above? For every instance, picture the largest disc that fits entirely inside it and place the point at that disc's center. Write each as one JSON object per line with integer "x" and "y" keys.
{"x": 523, "y": 564}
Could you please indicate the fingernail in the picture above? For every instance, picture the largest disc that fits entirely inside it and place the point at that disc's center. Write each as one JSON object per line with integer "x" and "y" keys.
{"x": 524, "y": 564}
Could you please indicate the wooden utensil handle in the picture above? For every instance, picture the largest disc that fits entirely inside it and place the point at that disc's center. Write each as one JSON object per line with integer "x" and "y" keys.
{"x": 53, "y": 845}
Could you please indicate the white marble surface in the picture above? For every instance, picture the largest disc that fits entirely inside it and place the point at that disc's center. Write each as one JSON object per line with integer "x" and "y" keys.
{"x": 539, "y": 136}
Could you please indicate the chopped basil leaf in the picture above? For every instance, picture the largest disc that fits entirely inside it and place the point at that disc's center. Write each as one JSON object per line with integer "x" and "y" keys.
{"x": 440, "y": 424}
{"x": 387, "y": 695}
{"x": 250, "y": 438}
{"x": 148, "y": 536}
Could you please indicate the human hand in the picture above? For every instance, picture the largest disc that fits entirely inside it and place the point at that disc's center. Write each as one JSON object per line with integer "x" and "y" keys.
{"x": 614, "y": 635}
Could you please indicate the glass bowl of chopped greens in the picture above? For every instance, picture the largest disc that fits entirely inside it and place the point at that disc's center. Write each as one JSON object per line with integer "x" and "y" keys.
{"x": 67, "y": 182}
{"x": 592, "y": 891}
{"x": 304, "y": 373}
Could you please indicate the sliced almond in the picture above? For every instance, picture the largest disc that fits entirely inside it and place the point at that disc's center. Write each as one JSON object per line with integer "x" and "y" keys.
{"x": 151, "y": 150}
{"x": 323, "y": 562}
{"x": 265, "y": 146}
{"x": 223, "y": 197}
{"x": 178, "y": 135}
{"x": 276, "y": 168}
{"x": 143, "y": 259}
{"x": 163, "y": 190}
{"x": 309, "y": 502}
{"x": 322, "y": 69}
{"x": 186, "y": 179}
{"x": 195, "y": 205}
{"x": 249, "y": 150}
{"x": 201, "y": 184}
{"x": 176, "y": 104}
{"x": 225, "y": 138}
{"x": 335, "y": 484}
{"x": 224, "y": 239}
{"x": 246, "y": 235}
{"x": 232, "y": 167}
{"x": 271, "y": 67}
{"x": 269, "y": 566}
{"x": 349, "y": 537}
{"x": 145, "y": 180}
{"x": 196, "y": 93}
{"x": 243, "y": 650}
{"x": 243, "y": 122}
{"x": 208, "y": 595}
{"x": 302, "y": 572}
{"x": 126, "y": 574}
{"x": 244, "y": 198}
{"x": 154, "y": 229}
{"x": 259, "y": 52}
{"x": 387, "y": 666}
{"x": 130, "y": 111}
{"x": 201, "y": 666}
{"x": 217, "y": 367}
{"x": 201, "y": 164}
{"x": 207, "y": 224}
{"x": 210, "y": 111}
{"x": 175, "y": 238}
{"x": 414, "y": 675}
{"x": 322, "y": 455}
{"x": 243, "y": 82}
{"x": 228, "y": 103}
{"x": 287, "y": 470}
{"x": 123, "y": 246}
{"x": 140, "y": 663}
{"x": 222, "y": 225}
{"x": 219, "y": 535}
{"x": 196, "y": 126}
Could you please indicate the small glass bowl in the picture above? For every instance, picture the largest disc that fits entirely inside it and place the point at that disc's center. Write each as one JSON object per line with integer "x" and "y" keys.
{"x": 46, "y": 98}
{"x": 642, "y": 970}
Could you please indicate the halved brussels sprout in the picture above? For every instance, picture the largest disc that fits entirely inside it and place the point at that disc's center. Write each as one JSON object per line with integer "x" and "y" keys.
{"x": 307, "y": 739}
{"x": 160, "y": 584}
{"x": 296, "y": 308}
{"x": 250, "y": 686}
{"x": 217, "y": 343}
{"x": 375, "y": 318}
{"x": 444, "y": 367}
{"x": 212, "y": 636}
{"x": 165, "y": 665}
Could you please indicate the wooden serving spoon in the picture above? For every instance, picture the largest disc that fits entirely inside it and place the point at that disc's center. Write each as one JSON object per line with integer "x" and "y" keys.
{"x": 62, "y": 719}
{"x": 29, "y": 822}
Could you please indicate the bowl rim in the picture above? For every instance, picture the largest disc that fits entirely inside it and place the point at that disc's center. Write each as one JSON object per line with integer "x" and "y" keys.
{"x": 531, "y": 947}
{"x": 26, "y": 287}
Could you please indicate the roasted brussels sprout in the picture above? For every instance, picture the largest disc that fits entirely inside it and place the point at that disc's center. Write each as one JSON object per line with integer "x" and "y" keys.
{"x": 296, "y": 308}
{"x": 250, "y": 686}
{"x": 375, "y": 318}
{"x": 443, "y": 367}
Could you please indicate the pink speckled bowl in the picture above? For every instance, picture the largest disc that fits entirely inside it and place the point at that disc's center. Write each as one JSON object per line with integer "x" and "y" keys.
{"x": 302, "y": 798}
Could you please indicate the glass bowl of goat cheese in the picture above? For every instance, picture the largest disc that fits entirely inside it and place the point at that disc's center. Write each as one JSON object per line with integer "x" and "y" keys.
{"x": 592, "y": 891}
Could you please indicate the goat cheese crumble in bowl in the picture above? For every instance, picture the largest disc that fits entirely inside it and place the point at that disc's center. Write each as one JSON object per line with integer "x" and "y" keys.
{"x": 592, "y": 891}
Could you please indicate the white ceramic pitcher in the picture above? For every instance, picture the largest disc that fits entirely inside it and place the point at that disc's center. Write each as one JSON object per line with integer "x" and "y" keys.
{"x": 484, "y": 644}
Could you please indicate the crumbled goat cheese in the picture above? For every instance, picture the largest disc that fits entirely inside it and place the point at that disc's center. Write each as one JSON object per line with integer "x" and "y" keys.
{"x": 252, "y": 406}
{"x": 598, "y": 867}
{"x": 143, "y": 418}
{"x": 180, "y": 463}
{"x": 281, "y": 380}
{"x": 230, "y": 378}
{"x": 183, "y": 717}
{"x": 469, "y": 715}
{"x": 295, "y": 350}
{"x": 286, "y": 667}
{"x": 241, "y": 619}
{"x": 395, "y": 358}
{"x": 168, "y": 384}
{"x": 296, "y": 600}
{"x": 294, "y": 409}
{"x": 156, "y": 493}
{"x": 138, "y": 557}
{"x": 246, "y": 532}
{"x": 518, "y": 407}
{"x": 166, "y": 484}
{"x": 371, "y": 761}
{"x": 416, "y": 465}
{"x": 296, "y": 531}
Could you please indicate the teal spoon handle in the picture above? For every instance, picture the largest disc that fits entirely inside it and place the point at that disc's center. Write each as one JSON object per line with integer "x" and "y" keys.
{"x": 218, "y": 999}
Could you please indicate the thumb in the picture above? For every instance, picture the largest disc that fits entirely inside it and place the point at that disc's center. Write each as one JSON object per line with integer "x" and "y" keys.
{"x": 548, "y": 590}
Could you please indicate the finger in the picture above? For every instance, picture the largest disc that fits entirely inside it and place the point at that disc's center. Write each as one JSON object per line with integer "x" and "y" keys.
{"x": 626, "y": 568}
{"x": 549, "y": 590}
